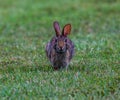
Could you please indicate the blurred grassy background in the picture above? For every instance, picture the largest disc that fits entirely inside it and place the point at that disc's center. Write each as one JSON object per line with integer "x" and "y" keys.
{"x": 26, "y": 27}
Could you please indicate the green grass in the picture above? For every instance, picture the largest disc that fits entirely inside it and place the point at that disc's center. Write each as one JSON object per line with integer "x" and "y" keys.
{"x": 26, "y": 27}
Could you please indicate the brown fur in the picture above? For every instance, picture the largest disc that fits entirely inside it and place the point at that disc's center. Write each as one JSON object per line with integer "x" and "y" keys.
{"x": 60, "y": 49}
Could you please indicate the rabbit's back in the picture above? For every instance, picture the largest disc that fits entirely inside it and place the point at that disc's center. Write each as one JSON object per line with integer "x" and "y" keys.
{"x": 71, "y": 49}
{"x": 49, "y": 49}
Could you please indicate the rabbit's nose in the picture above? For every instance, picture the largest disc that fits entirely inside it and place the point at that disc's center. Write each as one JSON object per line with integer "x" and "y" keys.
{"x": 61, "y": 48}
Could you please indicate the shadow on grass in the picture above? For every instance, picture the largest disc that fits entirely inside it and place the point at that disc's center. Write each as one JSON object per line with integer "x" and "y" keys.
{"x": 16, "y": 67}
{"x": 25, "y": 68}
{"x": 46, "y": 68}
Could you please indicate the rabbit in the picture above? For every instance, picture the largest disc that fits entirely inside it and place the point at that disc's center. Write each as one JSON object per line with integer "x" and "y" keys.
{"x": 60, "y": 49}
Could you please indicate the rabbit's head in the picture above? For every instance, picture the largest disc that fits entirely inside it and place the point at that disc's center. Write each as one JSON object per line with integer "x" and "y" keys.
{"x": 61, "y": 41}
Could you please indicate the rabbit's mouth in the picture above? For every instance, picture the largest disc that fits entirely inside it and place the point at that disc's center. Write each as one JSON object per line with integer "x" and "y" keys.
{"x": 60, "y": 52}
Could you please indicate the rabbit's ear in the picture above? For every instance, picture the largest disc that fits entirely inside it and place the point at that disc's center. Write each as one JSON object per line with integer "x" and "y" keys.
{"x": 57, "y": 28}
{"x": 66, "y": 29}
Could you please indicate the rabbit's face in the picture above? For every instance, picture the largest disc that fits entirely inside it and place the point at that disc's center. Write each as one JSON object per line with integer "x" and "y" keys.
{"x": 61, "y": 44}
{"x": 61, "y": 37}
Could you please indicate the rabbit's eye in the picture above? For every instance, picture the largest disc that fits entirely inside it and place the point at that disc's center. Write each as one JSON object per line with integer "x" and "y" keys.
{"x": 65, "y": 40}
{"x": 55, "y": 40}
